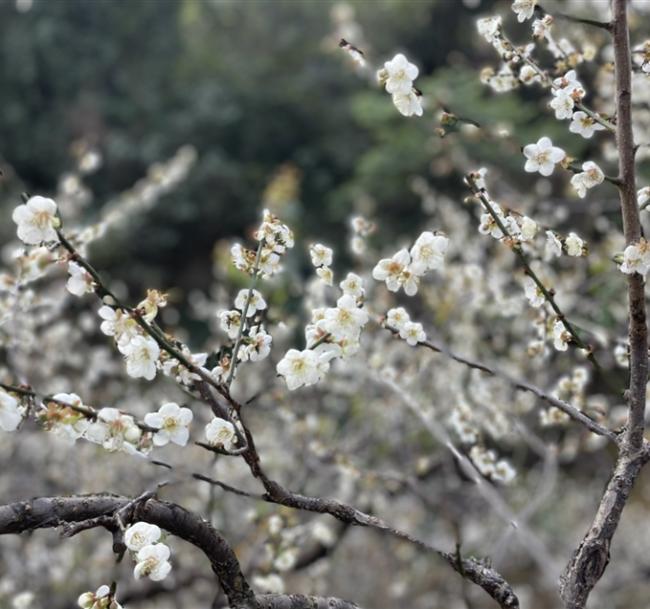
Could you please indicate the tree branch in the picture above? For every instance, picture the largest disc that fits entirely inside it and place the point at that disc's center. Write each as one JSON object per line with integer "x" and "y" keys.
{"x": 590, "y": 559}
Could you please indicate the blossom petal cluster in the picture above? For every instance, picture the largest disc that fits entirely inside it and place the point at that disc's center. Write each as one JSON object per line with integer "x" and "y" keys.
{"x": 151, "y": 556}
{"x": 397, "y": 76}
{"x": 404, "y": 269}
{"x": 100, "y": 599}
{"x": 636, "y": 258}
{"x": 399, "y": 321}
{"x": 590, "y": 176}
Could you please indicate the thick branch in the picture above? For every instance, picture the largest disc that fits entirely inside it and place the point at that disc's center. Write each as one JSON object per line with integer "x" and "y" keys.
{"x": 590, "y": 559}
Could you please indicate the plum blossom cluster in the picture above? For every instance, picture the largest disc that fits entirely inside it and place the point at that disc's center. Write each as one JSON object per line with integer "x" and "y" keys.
{"x": 150, "y": 554}
{"x": 334, "y": 332}
{"x": 399, "y": 321}
{"x": 68, "y": 417}
{"x": 567, "y": 90}
{"x": 243, "y": 324}
{"x": 102, "y": 598}
{"x": 321, "y": 257}
{"x": 274, "y": 239}
{"x": 405, "y": 268}
{"x": 397, "y": 77}
{"x": 487, "y": 463}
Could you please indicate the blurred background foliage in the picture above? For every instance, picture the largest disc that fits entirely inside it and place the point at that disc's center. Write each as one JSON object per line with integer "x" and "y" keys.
{"x": 260, "y": 90}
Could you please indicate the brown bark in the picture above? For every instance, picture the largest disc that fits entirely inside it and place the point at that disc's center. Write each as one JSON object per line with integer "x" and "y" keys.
{"x": 592, "y": 556}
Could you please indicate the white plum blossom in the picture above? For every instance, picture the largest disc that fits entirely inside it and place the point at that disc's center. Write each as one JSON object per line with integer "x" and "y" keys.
{"x": 141, "y": 534}
{"x": 259, "y": 346}
{"x": 10, "y": 412}
{"x": 320, "y": 254}
{"x": 561, "y": 338}
{"x": 100, "y": 599}
{"x": 141, "y": 354}
{"x": 352, "y": 285}
{"x": 528, "y": 228}
{"x": 489, "y": 27}
{"x": 643, "y": 196}
{"x": 37, "y": 221}
{"x": 270, "y": 584}
{"x": 542, "y": 156}
{"x": 590, "y": 176}
{"x": 326, "y": 275}
{"x": 396, "y": 273}
{"x": 220, "y": 432}
{"x": 345, "y": 320}
{"x": 172, "y": 421}
{"x": 80, "y": 282}
{"x": 399, "y": 74}
{"x": 412, "y": 333}
{"x": 118, "y": 324}
{"x": 299, "y": 368}
{"x": 65, "y": 422}
{"x": 230, "y": 322}
{"x": 153, "y": 562}
{"x": 533, "y": 293}
{"x": 409, "y": 103}
{"x": 584, "y": 125}
{"x": 562, "y": 103}
{"x": 114, "y": 431}
{"x": 575, "y": 246}
{"x": 553, "y": 246}
{"x": 528, "y": 75}
{"x": 570, "y": 83}
{"x": 524, "y": 9}
{"x": 396, "y": 318}
{"x": 428, "y": 252}
{"x": 636, "y": 258}
{"x": 256, "y": 303}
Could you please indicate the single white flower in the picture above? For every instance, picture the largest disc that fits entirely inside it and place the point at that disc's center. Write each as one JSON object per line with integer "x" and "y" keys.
{"x": 173, "y": 423}
{"x": 561, "y": 338}
{"x": 542, "y": 156}
{"x": 643, "y": 196}
{"x": 80, "y": 282}
{"x": 636, "y": 258}
{"x": 390, "y": 269}
{"x": 412, "y": 333}
{"x": 352, "y": 285}
{"x": 528, "y": 75}
{"x": 409, "y": 103}
{"x": 141, "y": 355}
{"x": 345, "y": 320}
{"x": 553, "y": 246}
{"x": 524, "y": 9}
{"x": 584, "y": 125}
{"x": 575, "y": 246}
{"x": 326, "y": 274}
{"x": 10, "y": 412}
{"x": 397, "y": 318}
{"x": 570, "y": 83}
{"x": 153, "y": 562}
{"x": 299, "y": 368}
{"x": 590, "y": 176}
{"x": 400, "y": 74}
{"x": 36, "y": 220}
{"x": 259, "y": 347}
{"x": 141, "y": 534}
{"x": 528, "y": 228}
{"x": 533, "y": 293}
{"x": 256, "y": 303}
{"x": 269, "y": 584}
{"x": 562, "y": 103}
{"x": 230, "y": 322}
{"x": 221, "y": 433}
{"x": 489, "y": 27}
{"x": 428, "y": 252}
{"x": 320, "y": 254}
